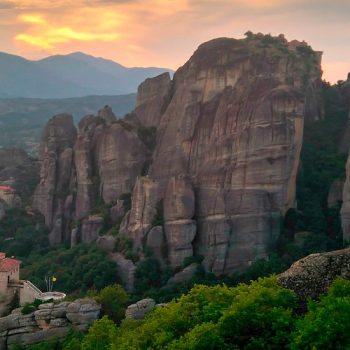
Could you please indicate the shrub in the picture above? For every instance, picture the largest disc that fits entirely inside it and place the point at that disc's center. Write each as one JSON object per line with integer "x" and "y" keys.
{"x": 100, "y": 335}
{"x": 326, "y": 325}
{"x": 113, "y": 299}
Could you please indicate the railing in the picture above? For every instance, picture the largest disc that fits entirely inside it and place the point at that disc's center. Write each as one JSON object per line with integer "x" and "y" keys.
{"x": 33, "y": 287}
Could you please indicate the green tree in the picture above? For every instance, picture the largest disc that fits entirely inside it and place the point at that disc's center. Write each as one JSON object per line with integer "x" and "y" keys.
{"x": 99, "y": 335}
{"x": 326, "y": 325}
{"x": 113, "y": 299}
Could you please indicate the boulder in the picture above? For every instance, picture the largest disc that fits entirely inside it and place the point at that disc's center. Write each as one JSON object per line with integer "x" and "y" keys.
{"x": 311, "y": 276}
{"x": 91, "y": 228}
{"x": 156, "y": 242}
{"x": 141, "y": 309}
{"x": 107, "y": 114}
{"x": 183, "y": 276}
{"x": 126, "y": 270}
{"x": 118, "y": 211}
{"x": 83, "y": 311}
{"x": 107, "y": 243}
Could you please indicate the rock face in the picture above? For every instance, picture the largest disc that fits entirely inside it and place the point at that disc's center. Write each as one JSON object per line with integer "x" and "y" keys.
{"x": 56, "y": 156}
{"x": 152, "y": 98}
{"x": 344, "y": 147}
{"x": 2, "y": 209}
{"x": 49, "y": 321}
{"x": 233, "y": 125}
{"x": 345, "y": 210}
{"x": 101, "y": 159}
{"x": 139, "y": 310}
{"x": 126, "y": 270}
{"x": 179, "y": 227}
{"x": 335, "y": 194}
{"x": 143, "y": 211}
{"x": 223, "y": 160}
{"x": 312, "y": 275}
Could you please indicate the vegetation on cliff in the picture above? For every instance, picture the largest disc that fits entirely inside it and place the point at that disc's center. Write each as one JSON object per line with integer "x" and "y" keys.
{"x": 259, "y": 315}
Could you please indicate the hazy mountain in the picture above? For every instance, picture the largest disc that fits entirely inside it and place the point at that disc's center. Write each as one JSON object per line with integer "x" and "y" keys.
{"x": 22, "y": 119}
{"x": 64, "y": 76}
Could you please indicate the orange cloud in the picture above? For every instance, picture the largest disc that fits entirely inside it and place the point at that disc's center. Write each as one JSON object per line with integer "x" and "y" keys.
{"x": 47, "y": 33}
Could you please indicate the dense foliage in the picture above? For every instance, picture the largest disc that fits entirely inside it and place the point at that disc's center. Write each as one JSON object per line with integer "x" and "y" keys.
{"x": 77, "y": 269}
{"x": 22, "y": 233}
{"x": 113, "y": 300}
{"x": 261, "y": 315}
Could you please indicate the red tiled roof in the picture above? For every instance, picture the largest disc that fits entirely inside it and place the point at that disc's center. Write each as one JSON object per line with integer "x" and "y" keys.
{"x": 8, "y": 264}
{"x": 7, "y": 189}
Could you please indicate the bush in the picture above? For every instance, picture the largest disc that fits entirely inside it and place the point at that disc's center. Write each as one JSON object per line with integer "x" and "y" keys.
{"x": 28, "y": 308}
{"x": 327, "y": 323}
{"x": 100, "y": 335}
{"x": 113, "y": 299}
{"x": 256, "y": 316}
{"x": 77, "y": 269}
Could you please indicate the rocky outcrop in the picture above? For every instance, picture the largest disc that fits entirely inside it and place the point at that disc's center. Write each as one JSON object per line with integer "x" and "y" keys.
{"x": 106, "y": 243}
{"x": 120, "y": 160}
{"x": 312, "y": 275}
{"x": 222, "y": 162}
{"x": 143, "y": 210}
{"x": 179, "y": 227}
{"x": 56, "y": 157}
{"x": 139, "y": 310}
{"x": 107, "y": 114}
{"x": 90, "y": 228}
{"x": 345, "y": 210}
{"x": 157, "y": 243}
{"x": 335, "y": 194}
{"x": 234, "y": 126}
{"x": 183, "y": 276}
{"x": 2, "y": 209}
{"x": 102, "y": 160}
{"x": 49, "y": 321}
{"x": 153, "y": 95}
{"x": 117, "y": 212}
{"x": 126, "y": 270}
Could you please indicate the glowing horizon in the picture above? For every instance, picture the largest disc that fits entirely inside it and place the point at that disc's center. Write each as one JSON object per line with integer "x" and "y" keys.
{"x": 165, "y": 33}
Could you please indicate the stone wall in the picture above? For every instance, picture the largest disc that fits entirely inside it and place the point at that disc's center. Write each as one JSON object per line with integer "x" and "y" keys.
{"x": 49, "y": 321}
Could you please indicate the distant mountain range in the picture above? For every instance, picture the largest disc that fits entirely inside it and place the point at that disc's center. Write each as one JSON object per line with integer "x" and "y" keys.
{"x": 64, "y": 76}
{"x": 22, "y": 119}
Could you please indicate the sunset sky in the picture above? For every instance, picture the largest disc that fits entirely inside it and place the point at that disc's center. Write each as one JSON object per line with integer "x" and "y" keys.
{"x": 164, "y": 33}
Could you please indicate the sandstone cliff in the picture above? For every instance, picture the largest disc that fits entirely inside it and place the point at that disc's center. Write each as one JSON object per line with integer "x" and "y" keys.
{"x": 344, "y": 148}
{"x": 233, "y": 126}
{"x": 99, "y": 160}
{"x": 216, "y": 151}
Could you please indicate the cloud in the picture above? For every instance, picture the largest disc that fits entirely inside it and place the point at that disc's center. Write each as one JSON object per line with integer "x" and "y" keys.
{"x": 5, "y": 5}
{"x": 90, "y": 26}
{"x": 166, "y": 32}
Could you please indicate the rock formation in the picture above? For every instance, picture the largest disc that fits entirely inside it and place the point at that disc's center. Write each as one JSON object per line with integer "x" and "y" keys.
{"x": 139, "y": 310}
{"x": 216, "y": 150}
{"x": 49, "y": 321}
{"x": 232, "y": 126}
{"x": 312, "y": 275}
{"x": 100, "y": 160}
{"x": 180, "y": 229}
{"x": 51, "y": 197}
{"x": 345, "y": 210}
{"x": 143, "y": 211}
{"x": 152, "y": 98}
